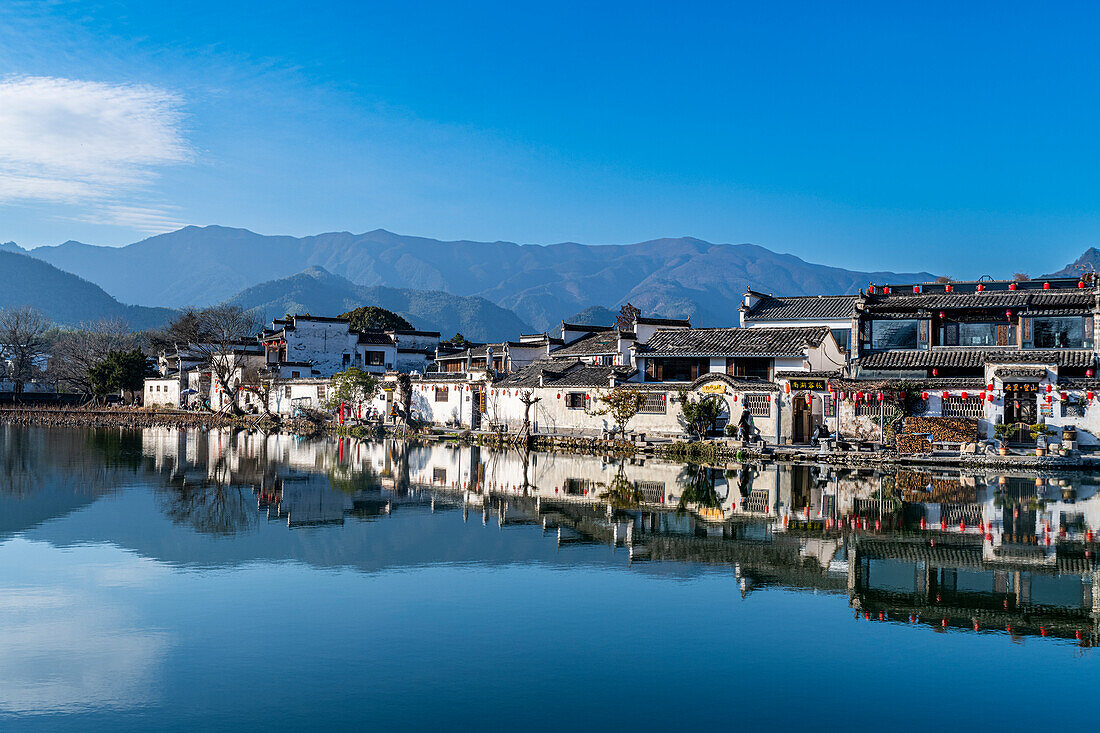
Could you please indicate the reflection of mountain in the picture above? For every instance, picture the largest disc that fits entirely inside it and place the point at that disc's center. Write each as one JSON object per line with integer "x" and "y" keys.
{"x": 45, "y": 474}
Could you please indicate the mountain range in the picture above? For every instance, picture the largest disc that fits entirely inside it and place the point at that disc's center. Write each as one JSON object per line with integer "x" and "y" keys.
{"x": 682, "y": 277}
{"x": 486, "y": 290}
{"x": 65, "y": 298}
{"x": 317, "y": 291}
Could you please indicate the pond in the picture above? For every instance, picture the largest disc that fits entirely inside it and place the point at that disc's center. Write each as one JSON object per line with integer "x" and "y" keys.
{"x": 184, "y": 580}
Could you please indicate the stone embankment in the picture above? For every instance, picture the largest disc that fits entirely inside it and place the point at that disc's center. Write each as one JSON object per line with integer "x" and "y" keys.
{"x": 111, "y": 417}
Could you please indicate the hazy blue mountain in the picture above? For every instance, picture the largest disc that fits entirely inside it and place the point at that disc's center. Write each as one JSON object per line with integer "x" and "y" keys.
{"x": 541, "y": 284}
{"x": 65, "y": 298}
{"x": 1088, "y": 262}
{"x": 319, "y": 292}
{"x": 594, "y": 315}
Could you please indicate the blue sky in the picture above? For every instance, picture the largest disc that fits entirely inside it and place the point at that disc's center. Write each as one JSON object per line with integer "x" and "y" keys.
{"x": 958, "y": 138}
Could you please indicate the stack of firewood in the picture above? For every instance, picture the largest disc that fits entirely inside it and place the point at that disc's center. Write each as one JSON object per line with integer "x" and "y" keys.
{"x": 944, "y": 429}
{"x": 910, "y": 443}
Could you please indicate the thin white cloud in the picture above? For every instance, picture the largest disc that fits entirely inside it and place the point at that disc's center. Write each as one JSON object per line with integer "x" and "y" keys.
{"x": 86, "y": 143}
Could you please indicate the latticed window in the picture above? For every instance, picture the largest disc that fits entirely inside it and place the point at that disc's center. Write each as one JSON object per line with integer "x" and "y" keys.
{"x": 868, "y": 409}
{"x": 650, "y": 491}
{"x": 441, "y": 394}
{"x": 575, "y": 400}
{"x": 958, "y": 407}
{"x": 758, "y": 405}
{"x": 320, "y": 391}
{"x": 656, "y": 403}
{"x": 439, "y": 475}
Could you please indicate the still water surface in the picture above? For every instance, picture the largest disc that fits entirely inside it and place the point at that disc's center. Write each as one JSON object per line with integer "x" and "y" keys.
{"x": 187, "y": 580}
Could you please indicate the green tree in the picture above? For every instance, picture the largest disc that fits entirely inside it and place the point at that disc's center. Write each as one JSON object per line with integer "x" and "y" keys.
{"x": 373, "y": 318}
{"x": 621, "y": 404}
{"x": 119, "y": 371}
{"x": 458, "y": 340}
{"x": 351, "y": 386}
{"x": 699, "y": 414}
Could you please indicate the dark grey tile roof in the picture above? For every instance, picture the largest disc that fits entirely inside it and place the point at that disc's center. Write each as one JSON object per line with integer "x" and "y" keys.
{"x": 1020, "y": 373}
{"x": 933, "y": 383}
{"x": 565, "y": 374}
{"x": 375, "y": 337}
{"x": 803, "y": 307}
{"x": 975, "y": 358}
{"x": 701, "y": 342}
{"x": 743, "y": 384}
{"x": 1017, "y": 300}
{"x": 807, "y": 375}
{"x": 603, "y": 342}
{"x": 585, "y": 327}
{"x": 662, "y": 321}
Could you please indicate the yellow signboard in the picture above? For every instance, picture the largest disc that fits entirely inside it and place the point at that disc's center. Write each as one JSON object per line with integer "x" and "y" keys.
{"x": 713, "y": 388}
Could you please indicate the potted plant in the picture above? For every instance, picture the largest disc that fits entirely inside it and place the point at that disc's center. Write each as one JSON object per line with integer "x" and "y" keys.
{"x": 1039, "y": 431}
{"x": 1001, "y": 431}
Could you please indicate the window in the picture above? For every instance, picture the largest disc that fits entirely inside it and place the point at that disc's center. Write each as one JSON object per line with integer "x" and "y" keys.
{"x": 758, "y": 405}
{"x": 441, "y": 394}
{"x": 1060, "y": 333}
{"x": 347, "y": 359}
{"x": 843, "y": 337}
{"x": 295, "y": 375}
{"x": 575, "y": 400}
{"x": 320, "y": 391}
{"x": 650, "y": 492}
{"x": 958, "y": 407}
{"x": 676, "y": 370}
{"x": 978, "y": 334}
{"x": 1073, "y": 406}
{"x": 902, "y": 334}
{"x": 577, "y": 486}
{"x": 760, "y": 368}
{"x": 656, "y": 403}
{"x": 868, "y": 409}
{"x": 376, "y": 358}
{"x": 439, "y": 475}
{"x": 286, "y": 391}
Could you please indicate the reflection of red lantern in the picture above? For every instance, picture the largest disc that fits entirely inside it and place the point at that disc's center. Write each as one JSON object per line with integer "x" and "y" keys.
{"x": 924, "y": 395}
{"x": 935, "y": 372}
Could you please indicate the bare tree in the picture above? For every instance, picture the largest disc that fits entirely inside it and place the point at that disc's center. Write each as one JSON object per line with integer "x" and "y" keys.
{"x": 22, "y": 342}
{"x": 75, "y": 353}
{"x": 264, "y": 381}
{"x": 403, "y": 407}
{"x": 527, "y": 397}
{"x": 214, "y": 335}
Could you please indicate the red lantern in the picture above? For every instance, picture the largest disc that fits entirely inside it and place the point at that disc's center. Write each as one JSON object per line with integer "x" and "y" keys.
{"x": 879, "y": 396}
{"x": 1046, "y": 286}
{"x": 924, "y": 395}
{"x": 1050, "y": 388}
{"x": 963, "y": 395}
{"x": 980, "y": 287}
{"x": 947, "y": 288}
{"x": 982, "y": 396}
{"x": 943, "y": 396}
{"x": 1012, "y": 286}
{"x": 1089, "y": 395}
{"x": 989, "y": 397}
{"x": 916, "y": 289}
{"x": 989, "y": 387}
{"x": 1080, "y": 284}
{"x": 809, "y": 399}
{"x": 843, "y": 395}
{"x": 787, "y": 387}
{"x": 1088, "y": 372}
{"x": 559, "y": 395}
{"x": 1008, "y": 313}
{"x": 935, "y": 372}
{"x": 859, "y": 396}
{"x": 1062, "y": 396}
{"x": 1048, "y": 398}
{"x": 942, "y": 315}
